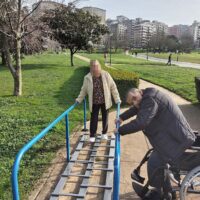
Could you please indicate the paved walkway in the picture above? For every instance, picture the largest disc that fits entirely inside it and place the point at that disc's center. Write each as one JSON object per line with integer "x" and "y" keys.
{"x": 180, "y": 64}
{"x": 143, "y": 56}
{"x": 88, "y": 60}
{"x": 82, "y": 58}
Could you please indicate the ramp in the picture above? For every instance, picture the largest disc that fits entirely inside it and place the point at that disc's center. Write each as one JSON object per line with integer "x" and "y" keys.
{"x": 89, "y": 173}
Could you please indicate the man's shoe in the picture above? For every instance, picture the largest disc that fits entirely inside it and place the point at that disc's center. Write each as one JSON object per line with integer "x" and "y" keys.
{"x": 104, "y": 137}
{"x": 92, "y": 139}
{"x": 152, "y": 195}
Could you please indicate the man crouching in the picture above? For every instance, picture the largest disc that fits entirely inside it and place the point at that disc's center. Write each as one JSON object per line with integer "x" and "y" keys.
{"x": 168, "y": 131}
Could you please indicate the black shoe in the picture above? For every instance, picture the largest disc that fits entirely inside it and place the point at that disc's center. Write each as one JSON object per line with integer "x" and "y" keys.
{"x": 168, "y": 196}
{"x": 152, "y": 195}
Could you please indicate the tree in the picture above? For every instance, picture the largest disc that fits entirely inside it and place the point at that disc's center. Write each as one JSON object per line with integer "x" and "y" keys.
{"x": 113, "y": 41}
{"x": 187, "y": 42}
{"x": 15, "y": 23}
{"x": 158, "y": 41}
{"x": 171, "y": 43}
{"x": 73, "y": 28}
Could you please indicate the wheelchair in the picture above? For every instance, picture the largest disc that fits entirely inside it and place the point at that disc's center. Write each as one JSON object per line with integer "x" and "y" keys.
{"x": 185, "y": 185}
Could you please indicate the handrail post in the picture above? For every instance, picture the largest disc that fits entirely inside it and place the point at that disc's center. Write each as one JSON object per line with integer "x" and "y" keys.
{"x": 116, "y": 184}
{"x": 67, "y": 137}
{"x": 85, "y": 115}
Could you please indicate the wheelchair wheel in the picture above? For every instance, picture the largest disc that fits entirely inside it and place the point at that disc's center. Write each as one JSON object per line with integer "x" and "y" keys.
{"x": 190, "y": 186}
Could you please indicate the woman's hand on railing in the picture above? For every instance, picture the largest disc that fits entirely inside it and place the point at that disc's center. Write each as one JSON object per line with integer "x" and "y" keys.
{"x": 118, "y": 102}
{"x": 118, "y": 121}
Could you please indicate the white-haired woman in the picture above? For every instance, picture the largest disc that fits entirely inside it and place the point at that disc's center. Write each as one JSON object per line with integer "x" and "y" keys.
{"x": 99, "y": 86}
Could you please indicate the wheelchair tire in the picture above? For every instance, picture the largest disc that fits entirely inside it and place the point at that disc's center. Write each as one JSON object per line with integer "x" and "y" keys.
{"x": 187, "y": 179}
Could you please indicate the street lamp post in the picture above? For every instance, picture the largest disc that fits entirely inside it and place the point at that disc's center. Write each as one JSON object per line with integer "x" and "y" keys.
{"x": 177, "y": 55}
{"x": 177, "y": 51}
{"x": 110, "y": 49}
{"x": 90, "y": 45}
{"x": 148, "y": 38}
{"x": 198, "y": 44}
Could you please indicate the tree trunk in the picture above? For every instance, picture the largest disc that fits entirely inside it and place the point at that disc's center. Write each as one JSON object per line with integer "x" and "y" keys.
{"x": 3, "y": 58}
{"x": 17, "y": 85}
{"x": 18, "y": 73}
{"x": 72, "y": 57}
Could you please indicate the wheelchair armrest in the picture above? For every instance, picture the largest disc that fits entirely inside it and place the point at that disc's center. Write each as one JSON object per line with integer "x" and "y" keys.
{"x": 195, "y": 148}
{"x": 196, "y": 143}
{"x": 196, "y": 132}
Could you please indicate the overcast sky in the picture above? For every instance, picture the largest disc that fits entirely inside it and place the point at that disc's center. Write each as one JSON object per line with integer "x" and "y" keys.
{"x": 170, "y": 12}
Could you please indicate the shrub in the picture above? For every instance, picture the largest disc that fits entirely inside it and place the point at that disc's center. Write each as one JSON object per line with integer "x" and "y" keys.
{"x": 123, "y": 79}
{"x": 197, "y": 84}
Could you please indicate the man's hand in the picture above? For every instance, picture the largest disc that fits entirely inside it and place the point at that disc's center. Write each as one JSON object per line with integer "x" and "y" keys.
{"x": 115, "y": 131}
{"x": 118, "y": 121}
{"x": 76, "y": 101}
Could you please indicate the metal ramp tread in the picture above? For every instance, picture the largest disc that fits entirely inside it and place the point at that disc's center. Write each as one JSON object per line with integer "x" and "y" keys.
{"x": 85, "y": 184}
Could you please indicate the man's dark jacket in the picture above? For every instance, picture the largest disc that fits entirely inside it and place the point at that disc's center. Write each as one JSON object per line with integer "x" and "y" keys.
{"x": 162, "y": 122}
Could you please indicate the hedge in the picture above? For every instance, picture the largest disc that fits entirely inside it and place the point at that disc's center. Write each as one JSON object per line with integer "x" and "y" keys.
{"x": 197, "y": 85}
{"x": 123, "y": 79}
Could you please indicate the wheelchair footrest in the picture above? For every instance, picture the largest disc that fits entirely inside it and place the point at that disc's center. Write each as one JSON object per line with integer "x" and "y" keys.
{"x": 139, "y": 189}
{"x": 136, "y": 176}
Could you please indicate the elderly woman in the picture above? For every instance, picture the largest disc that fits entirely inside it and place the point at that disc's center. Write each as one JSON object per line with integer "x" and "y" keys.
{"x": 99, "y": 86}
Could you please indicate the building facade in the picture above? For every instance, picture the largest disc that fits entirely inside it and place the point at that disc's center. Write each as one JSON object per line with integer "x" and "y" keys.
{"x": 142, "y": 33}
{"x": 44, "y": 6}
{"x": 195, "y": 30}
{"x": 98, "y": 12}
{"x": 180, "y": 30}
{"x": 136, "y": 32}
{"x": 160, "y": 27}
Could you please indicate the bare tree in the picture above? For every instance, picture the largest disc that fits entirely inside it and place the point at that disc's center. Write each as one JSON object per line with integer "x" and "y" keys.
{"x": 15, "y": 24}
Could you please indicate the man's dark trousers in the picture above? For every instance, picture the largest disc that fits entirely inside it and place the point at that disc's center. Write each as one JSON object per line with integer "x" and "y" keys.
{"x": 186, "y": 162}
{"x": 94, "y": 119}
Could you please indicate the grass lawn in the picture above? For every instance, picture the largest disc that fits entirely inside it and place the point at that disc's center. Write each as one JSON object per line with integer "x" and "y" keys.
{"x": 177, "y": 79}
{"x": 193, "y": 57}
{"x": 117, "y": 58}
{"x": 50, "y": 86}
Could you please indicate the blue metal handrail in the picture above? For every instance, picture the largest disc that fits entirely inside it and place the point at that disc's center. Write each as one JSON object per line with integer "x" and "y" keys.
{"x": 116, "y": 183}
{"x": 15, "y": 169}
